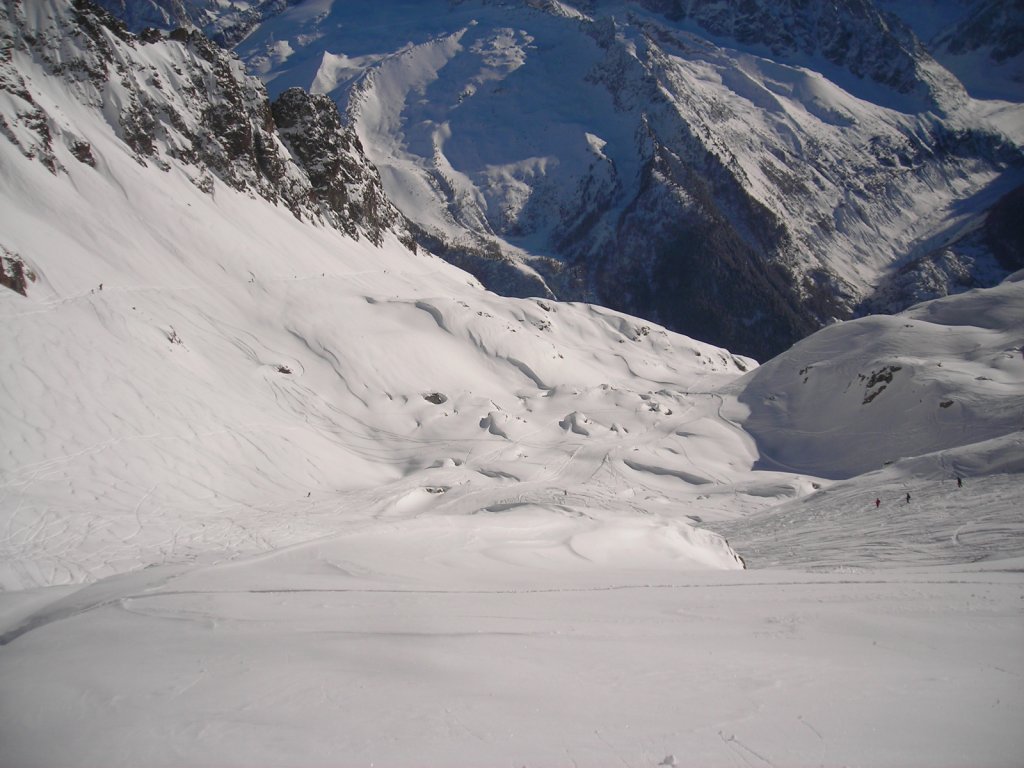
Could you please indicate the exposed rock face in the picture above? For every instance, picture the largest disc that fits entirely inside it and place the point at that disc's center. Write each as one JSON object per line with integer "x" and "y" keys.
{"x": 344, "y": 185}
{"x": 852, "y": 34}
{"x": 224, "y": 23}
{"x": 979, "y": 41}
{"x": 997, "y": 25}
{"x": 13, "y": 272}
{"x": 183, "y": 99}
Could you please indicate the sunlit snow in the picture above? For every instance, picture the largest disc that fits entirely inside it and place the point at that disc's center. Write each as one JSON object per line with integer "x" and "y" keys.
{"x": 271, "y": 496}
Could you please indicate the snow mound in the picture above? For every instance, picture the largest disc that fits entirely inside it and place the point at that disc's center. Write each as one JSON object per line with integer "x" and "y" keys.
{"x": 858, "y": 395}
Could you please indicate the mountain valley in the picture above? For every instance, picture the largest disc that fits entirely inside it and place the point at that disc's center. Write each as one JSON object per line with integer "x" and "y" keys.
{"x": 526, "y": 383}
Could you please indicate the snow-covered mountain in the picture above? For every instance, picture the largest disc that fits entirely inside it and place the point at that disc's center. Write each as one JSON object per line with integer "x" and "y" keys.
{"x": 803, "y": 161}
{"x": 226, "y": 22}
{"x": 942, "y": 370}
{"x": 207, "y": 269}
{"x": 278, "y": 488}
{"x": 980, "y": 41}
{"x": 225, "y": 285}
{"x": 247, "y": 337}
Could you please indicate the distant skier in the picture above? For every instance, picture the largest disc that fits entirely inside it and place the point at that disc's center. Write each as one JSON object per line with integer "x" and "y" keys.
{"x": 959, "y": 482}
{"x": 877, "y": 503}
{"x": 908, "y": 498}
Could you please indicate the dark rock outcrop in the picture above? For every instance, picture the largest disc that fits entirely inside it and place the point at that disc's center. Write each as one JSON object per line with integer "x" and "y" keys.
{"x": 345, "y": 187}
{"x": 201, "y": 110}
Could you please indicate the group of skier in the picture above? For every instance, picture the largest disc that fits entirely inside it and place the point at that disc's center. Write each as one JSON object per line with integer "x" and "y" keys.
{"x": 959, "y": 484}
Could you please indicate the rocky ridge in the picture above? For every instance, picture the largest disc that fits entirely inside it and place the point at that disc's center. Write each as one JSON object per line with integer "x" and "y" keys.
{"x": 178, "y": 99}
{"x": 980, "y": 41}
{"x": 854, "y": 35}
{"x": 225, "y": 24}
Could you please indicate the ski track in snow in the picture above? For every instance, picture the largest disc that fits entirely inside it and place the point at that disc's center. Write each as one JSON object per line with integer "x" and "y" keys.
{"x": 726, "y": 664}
{"x": 841, "y": 528}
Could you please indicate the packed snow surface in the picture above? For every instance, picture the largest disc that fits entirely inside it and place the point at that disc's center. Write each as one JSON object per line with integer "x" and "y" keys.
{"x": 274, "y": 497}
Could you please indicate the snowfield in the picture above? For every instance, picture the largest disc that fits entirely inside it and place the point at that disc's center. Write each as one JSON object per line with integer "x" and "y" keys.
{"x": 271, "y": 496}
{"x": 298, "y": 659}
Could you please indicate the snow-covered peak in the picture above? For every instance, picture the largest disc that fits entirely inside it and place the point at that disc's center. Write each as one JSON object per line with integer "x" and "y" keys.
{"x": 854, "y": 35}
{"x": 224, "y": 21}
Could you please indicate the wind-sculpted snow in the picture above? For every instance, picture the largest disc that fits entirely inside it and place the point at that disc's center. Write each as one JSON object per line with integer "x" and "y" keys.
{"x": 198, "y": 370}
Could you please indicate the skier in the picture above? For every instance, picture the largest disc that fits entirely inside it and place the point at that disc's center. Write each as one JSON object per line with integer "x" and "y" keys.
{"x": 908, "y": 498}
{"x": 877, "y": 503}
{"x": 959, "y": 482}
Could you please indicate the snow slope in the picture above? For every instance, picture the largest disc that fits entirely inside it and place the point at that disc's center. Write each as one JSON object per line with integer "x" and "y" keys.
{"x": 236, "y": 361}
{"x": 275, "y": 496}
{"x": 948, "y": 372}
{"x": 298, "y": 663}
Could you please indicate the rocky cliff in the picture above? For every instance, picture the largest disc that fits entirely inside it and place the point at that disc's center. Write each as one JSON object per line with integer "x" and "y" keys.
{"x": 182, "y": 103}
